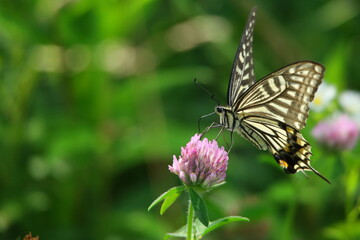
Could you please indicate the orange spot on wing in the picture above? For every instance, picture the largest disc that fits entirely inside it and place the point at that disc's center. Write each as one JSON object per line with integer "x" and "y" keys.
{"x": 283, "y": 164}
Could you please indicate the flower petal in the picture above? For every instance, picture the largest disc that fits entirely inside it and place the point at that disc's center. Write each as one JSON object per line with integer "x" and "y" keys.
{"x": 202, "y": 162}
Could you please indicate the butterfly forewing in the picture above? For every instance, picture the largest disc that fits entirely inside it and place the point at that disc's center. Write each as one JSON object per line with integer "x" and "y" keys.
{"x": 283, "y": 95}
{"x": 242, "y": 73}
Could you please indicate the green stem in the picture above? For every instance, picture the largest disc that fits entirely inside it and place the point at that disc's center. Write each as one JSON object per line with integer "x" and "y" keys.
{"x": 289, "y": 220}
{"x": 190, "y": 219}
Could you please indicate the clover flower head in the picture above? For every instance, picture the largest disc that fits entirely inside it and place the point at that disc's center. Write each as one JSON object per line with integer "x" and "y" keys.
{"x": 201, "y": 163}
{"x": 324, "y": 95}
{"x": 340, "y": 132}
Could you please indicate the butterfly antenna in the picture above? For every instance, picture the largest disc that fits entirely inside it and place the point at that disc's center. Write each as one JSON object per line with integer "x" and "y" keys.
{"x": 207, "y": 91}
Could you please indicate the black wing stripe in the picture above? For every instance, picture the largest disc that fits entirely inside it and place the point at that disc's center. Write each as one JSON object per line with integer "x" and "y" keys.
{"x": 242, "y": 73}
{"x": 288, "y": 146}
{"x": 280, "y": 96}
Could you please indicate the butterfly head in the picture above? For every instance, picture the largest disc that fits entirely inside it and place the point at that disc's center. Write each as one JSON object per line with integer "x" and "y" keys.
{"x": 227, "y": 117}
{"x": 219, "y": 110}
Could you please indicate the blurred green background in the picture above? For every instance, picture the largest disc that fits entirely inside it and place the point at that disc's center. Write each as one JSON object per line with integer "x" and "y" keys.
{"x": 96, "y": 97}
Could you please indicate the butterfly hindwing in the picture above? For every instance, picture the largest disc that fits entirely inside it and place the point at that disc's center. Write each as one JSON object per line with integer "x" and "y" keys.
{"x": 289, "y": 148}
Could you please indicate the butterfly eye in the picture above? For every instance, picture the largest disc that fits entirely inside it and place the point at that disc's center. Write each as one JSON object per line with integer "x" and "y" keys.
{"x": 219, "y": 109}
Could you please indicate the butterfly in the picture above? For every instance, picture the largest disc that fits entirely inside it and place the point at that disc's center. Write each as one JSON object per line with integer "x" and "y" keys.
{"x": 271, "y": 112}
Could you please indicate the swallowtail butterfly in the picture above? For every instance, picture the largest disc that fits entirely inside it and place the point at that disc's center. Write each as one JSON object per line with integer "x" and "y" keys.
{"x": 271, "y": 112}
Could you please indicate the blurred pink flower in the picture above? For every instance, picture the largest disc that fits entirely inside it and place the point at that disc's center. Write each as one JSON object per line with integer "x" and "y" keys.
{"x": 202, "y": 163}
{"x": 340, "y": 132}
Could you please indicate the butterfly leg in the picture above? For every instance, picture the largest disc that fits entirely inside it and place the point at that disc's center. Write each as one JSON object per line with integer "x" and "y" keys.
{"x": 221, "y": 130}
{"x": 206, "y": 115}
{"x": 228, "y": 145}
{"x": 212, "y": 125}
{"x": 232, "y": 140}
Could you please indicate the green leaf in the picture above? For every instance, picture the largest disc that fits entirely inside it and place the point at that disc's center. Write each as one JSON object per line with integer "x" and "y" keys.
{"x": 199, "y": 207}
{"x": 222, "y": 221}
{"x": 169, "y": 198}
{"x": 201, "y": 230}
{"x": 180, "y": 233}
